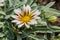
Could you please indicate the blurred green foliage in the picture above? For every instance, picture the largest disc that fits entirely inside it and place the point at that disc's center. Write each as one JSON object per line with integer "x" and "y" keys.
{"x": 8, "y": 30}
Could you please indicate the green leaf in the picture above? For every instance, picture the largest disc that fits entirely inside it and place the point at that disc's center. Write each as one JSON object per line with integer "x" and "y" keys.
{"x": 29, "y": 2}
{"x": 10, "y": 34}
{"x": 8, "y": 30}
{"x": 49, "y": 4}
{"x": 55, "y": 27}
{"x": 10, "y": 3}
{"x": 39, "y": 29}
{"x": 1, "y": 35}
{"x": 35, "y": 37}
{"x": 18, "y": 37}
{"x": 4, "y": 39}
{"x": 20, "y": 2}
{"x": 51, "y": 11}
{"x": 1, "y": 24}
{"x": 16, "y": 2}
{"x": 23, "y": 2}
{"x": 41, "y": 23}
{"x": 2, "y": 12}
{"x": 7, "y": 16}
{"x": 27, "y": 38}
{"x": 34, "y": 4}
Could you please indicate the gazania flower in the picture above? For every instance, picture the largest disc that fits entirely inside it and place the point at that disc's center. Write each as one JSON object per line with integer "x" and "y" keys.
{"x": 26, "y": 17}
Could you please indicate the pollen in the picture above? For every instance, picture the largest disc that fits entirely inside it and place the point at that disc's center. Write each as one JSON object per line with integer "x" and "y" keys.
{"x": 26, "y": 19}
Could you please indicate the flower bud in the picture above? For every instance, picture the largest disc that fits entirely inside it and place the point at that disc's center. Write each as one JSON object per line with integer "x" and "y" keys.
{"x": 52, "y": 19}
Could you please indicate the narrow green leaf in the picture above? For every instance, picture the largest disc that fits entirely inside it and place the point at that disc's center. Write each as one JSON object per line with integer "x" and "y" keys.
{"x": 2, "y": 12}
{"x": 29, "y": 2}
{"x": 51, "y": 11}
{"x": 18, "y": 37}
{"x": 35, "y": 37}
{"x": 4, "y": 39}
{"x": 10, "y": 3}
{"x": 55, "y": 27}
{"x": 1, "y": 24}
{"x": 1, "y": 35}
{"x": 49, "y": 4}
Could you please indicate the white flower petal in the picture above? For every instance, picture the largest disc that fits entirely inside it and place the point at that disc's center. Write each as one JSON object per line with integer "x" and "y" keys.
{"x": 14, "y": 16}
{"x": 17, "y": 11}
{"x": 27, "y": 25}
{"x": 32, "y": 22}
{"x": 17, "y": 22}
{"x": 37, "y": 18}
{"x": 1, "y": 1}
{"x": 37, "y": 12}
{"x": 24, "y": 7}
{"x": 33, "y": 10}
{"x": 27, "y": 9}
{"x": 19, "y": 26}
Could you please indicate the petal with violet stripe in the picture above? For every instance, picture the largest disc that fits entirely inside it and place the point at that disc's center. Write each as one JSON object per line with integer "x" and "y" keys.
{"x": 17, "y": 11}
{"x": 37, "y": 12}
{"x": 28, "y": 8}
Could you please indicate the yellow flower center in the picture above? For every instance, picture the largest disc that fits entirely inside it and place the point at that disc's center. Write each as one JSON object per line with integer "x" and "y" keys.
{"x": 26, "y": 19}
